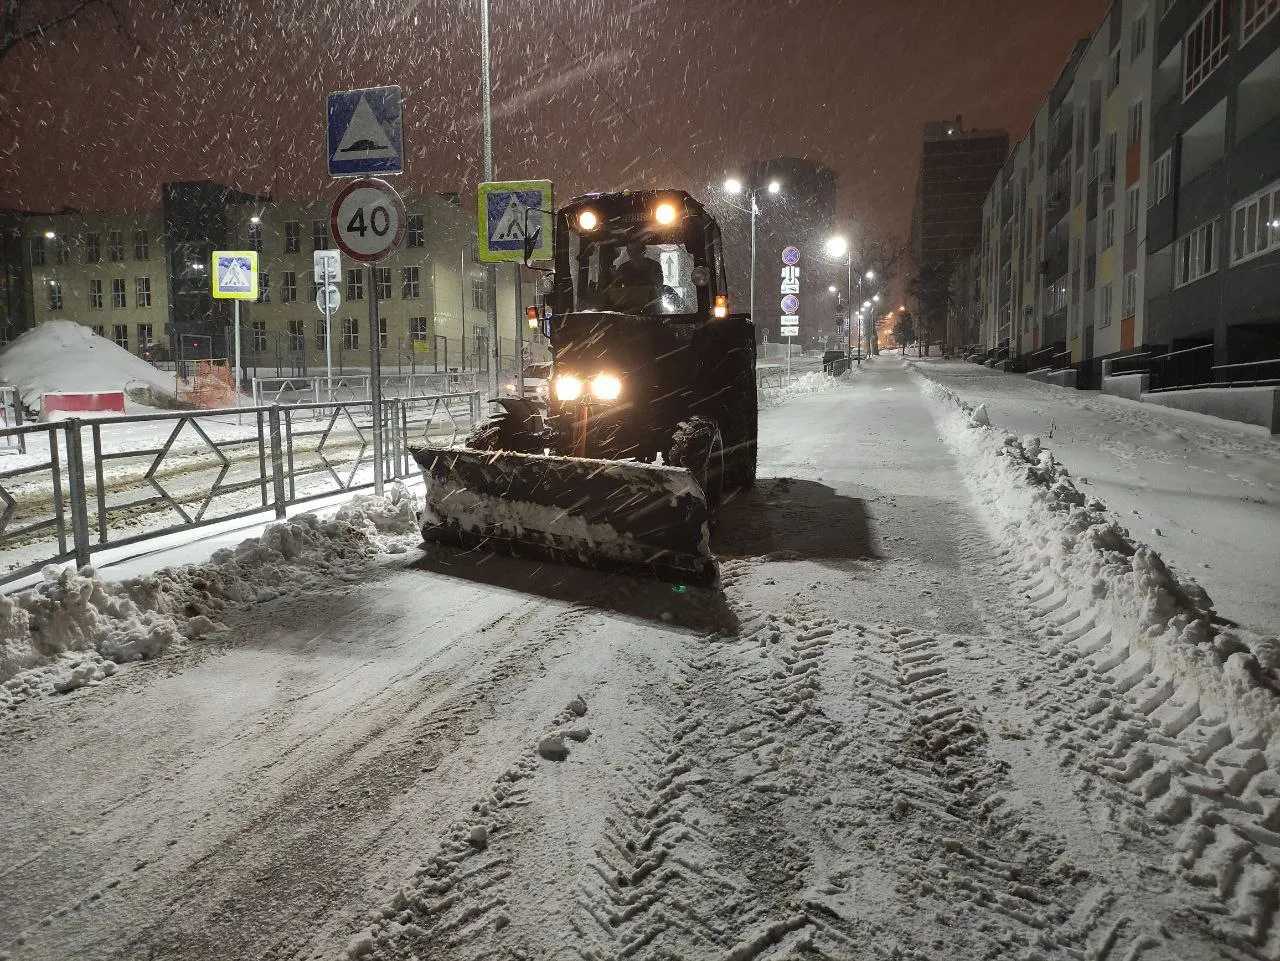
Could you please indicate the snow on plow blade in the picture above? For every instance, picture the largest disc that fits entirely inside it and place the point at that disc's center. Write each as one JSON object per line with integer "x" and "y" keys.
{"x": 610, "y": 515}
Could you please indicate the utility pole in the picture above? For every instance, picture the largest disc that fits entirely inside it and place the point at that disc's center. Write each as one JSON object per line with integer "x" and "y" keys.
{"x": 490, "y": 270}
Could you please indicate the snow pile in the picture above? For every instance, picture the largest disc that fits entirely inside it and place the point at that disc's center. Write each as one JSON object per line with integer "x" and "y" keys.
{"x": 812, "y": 382}
{"x": 75, "y": 627}
{"x": 61, "y": 356}
{"x": 1119, "y": 585}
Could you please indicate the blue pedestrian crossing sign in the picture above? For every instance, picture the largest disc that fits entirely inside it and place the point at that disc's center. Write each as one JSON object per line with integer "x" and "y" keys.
{"x": 235, "y": 274}
{"x": 509, "y": 209}
{"x": 365, "y": 132}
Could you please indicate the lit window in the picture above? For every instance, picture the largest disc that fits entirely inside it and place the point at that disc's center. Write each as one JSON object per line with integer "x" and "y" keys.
{"x": 1255, "y": 225}
{"x": 1194, "y": 254}
{"x": 1204, "y": 47}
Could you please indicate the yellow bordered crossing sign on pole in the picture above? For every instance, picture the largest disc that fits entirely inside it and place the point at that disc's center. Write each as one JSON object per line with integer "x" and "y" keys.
{"x": 235, "y": 274}
{"x": 509, "y": 209}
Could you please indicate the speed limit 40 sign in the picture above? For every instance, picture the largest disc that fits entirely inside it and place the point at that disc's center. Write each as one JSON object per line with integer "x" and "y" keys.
{"x": 367, "y": 219}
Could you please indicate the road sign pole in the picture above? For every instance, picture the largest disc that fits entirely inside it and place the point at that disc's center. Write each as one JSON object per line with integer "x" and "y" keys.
{"x": 328, "y": 347}
{"x": 238, "y": 373}
{"x": 490, "y": 273}
{"x": 519, "y": 334}
{"x": 375, "y": 380}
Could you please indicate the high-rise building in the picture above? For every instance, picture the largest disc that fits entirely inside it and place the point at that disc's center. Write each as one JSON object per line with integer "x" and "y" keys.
{"x": 957, "y": 168}
{"x": 1140, "y": 214}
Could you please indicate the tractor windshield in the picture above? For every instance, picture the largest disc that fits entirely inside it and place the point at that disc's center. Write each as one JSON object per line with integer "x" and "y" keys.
{"x": 631, "y": 276}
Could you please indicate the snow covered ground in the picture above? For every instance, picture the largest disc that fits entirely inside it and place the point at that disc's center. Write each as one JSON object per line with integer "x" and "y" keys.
{"x": 941, "y": 708}
{"x": 1203, "y": 492}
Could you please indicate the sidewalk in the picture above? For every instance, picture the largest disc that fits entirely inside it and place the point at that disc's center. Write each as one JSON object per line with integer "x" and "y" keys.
{"x": 1204, "y": 492}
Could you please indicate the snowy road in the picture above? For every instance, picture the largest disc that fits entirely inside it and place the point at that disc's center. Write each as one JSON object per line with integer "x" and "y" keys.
{"x": 884, "y": 739}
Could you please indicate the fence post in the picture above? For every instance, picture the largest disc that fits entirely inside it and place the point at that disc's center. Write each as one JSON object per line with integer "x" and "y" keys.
{"x": 475, "y": 407}
{"x": 76, "y": 492}
{"x": 277, "y": 460}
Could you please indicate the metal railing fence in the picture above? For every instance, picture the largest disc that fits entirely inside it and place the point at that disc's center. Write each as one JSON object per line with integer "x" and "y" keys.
{"x": 320, "y": 388}
{"x": 87, "y": 485}
{"x": 1183, "y": 369}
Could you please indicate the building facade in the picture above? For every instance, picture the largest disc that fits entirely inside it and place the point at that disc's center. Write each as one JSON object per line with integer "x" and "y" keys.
{"x": 1138, "y": 213}
{"x": 141, "y": 279}
{"x": 957, "y": 168}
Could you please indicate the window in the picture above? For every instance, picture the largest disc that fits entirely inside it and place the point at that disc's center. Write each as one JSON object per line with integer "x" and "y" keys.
{"x": 319, "y": 235}
{"x": 1109, "y": 164}
{"x": 1104, "y": 318}
{"x": 1255, "y": 225}
{"x": 1135, "y": 122}
{"x": 55, "y": 295}
{"x": 288, "y": 287}
{"x": 1093, "y": 163}
{"x": 98, "y": 330}
{"x": 264, "y": 287}
{"x": 1114, "y": 78}
{"x": 145, "y": 335}
{"x": 382, "y": 278}
{"x": 141, "y": 245}
{"x": 418, "y": 329}
{"x": 297, "y": 336}
{"x": 1193, "y": 254}
{"x": 120, "y": 334}
{"x": 322, "y": 336}
{"x": 1138, "y": 36}
{"x": 1254, "y": 15}
{"x": 1109, "y": 227}
{"x": 37, "y": 251}
{"x": 258, "y": 336}
{"x": 1056, "y": 296}
{"x": 142, "y": 291}
{"x": 115, "y": 246}
{"x": 355, "y": 283}
{"x": 292, "y": 236}
{"x": 414, "y": 235}
{"x": 95, "y": 295}
{"x": 1132, "y": 205}
{"x": 1161, "y": 177}
{"x": 411, "y": 289}
{"x": 477, "y": 293}
{"x": 61, "y": 251}
{"x": 1129, "y": 295}
{"x": 1205, "y": 45}
{"x": 117, "y": 293}
{"x": 350, "y": 333}
{"x": 382, "y": 332}
{"x": 92, "y": 250}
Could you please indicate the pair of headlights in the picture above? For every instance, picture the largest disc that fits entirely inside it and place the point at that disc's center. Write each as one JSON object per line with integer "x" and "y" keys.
{"x": 599, "y": 387}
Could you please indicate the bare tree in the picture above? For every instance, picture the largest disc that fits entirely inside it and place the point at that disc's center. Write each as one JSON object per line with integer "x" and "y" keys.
{"x": 932, "y": 285}
{"x": 27, "y": 21}
{"x": 884, "y": 256}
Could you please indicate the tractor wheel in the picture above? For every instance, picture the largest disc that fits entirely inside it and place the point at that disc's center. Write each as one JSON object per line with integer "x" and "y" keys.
{"x": 505, "y": 431}
{"x": 739, "y": 429}
{"x": 697, "y": 447}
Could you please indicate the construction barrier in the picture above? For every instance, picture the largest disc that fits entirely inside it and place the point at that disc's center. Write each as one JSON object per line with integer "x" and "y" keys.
{"x": 97, "y": 402}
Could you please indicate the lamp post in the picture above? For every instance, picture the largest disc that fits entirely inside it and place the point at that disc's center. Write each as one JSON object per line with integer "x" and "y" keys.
{"x": 734, "y": 186}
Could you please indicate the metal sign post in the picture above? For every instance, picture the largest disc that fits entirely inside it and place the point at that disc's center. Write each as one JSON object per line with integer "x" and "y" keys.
{"x": 327, "y": 265}
{"x": 235, "y": 277}
{"x": 368, "y": 222}
{"x": 790, "y": 304}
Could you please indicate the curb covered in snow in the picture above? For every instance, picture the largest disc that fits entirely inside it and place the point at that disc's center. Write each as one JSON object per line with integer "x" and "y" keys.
{"x": 1117, "y": 583}
{"x": 811, "y": 382}
{"x": 75, "y": 627}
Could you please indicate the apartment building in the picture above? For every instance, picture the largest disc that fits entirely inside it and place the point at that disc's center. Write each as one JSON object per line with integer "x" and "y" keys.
{"x": 1130, "y": 218}
{"x": 141, "y": 279}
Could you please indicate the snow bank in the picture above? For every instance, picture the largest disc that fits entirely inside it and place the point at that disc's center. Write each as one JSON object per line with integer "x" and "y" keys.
{"x": 1118, "y": 584}
{"x": 812, "y": 382}
{"x": 61, "y": 356}
{"x": 75, "y": 627}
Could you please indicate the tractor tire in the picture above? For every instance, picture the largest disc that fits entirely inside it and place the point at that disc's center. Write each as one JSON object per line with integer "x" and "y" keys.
{"x": 504, "y": 431}
{"x": 739, "y": 426}
{"x": 698, "y": 448}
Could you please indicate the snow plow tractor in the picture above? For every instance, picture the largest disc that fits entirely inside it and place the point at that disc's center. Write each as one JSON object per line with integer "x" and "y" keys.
{"x": 651, "y": 414}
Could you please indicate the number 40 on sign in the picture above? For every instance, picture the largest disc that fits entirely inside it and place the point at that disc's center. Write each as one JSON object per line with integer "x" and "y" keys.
{"x": 367, "y": 220}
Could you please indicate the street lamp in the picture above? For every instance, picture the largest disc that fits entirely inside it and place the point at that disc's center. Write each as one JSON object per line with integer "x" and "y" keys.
{"x": 734, "y": 186}
{"x": 838, "y": 250}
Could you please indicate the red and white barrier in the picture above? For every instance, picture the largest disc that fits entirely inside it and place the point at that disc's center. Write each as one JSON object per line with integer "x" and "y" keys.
{"x": 53, "y": 406}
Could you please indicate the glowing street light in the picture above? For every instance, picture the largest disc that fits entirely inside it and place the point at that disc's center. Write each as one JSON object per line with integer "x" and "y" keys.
{"x": 735, "y": 186}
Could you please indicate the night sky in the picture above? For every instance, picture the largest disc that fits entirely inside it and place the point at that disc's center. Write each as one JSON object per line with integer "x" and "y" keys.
{"x": 594, "y": 95}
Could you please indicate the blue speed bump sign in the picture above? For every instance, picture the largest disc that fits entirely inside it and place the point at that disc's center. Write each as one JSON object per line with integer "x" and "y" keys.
{"x": 507, "y": 210}
{"x": 365, "y": 132}
{"x": 235, "y": 274}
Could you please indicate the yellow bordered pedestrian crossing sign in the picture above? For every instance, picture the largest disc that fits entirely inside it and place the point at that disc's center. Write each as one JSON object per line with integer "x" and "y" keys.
{"x": 235, "y": 274}
{"x": 507, "y": 210}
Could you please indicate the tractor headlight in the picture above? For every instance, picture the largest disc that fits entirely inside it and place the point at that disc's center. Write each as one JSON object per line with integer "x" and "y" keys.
{"x": 568, "y": 387}
{"x": 588, "y": 221}
{"x": 605, "y": 387}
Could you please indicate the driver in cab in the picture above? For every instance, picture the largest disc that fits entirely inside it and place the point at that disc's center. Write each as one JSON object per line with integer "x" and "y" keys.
{"x": 639, "y": 270}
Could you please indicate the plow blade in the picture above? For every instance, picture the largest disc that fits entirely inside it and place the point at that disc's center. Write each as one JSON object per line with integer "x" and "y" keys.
{"x": 609, "y": 515}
